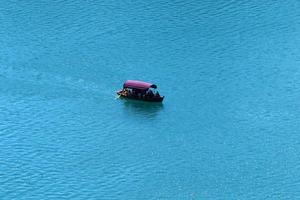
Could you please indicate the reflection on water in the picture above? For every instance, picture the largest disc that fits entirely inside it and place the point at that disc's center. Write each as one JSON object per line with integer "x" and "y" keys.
{"x": 141, "y": 108}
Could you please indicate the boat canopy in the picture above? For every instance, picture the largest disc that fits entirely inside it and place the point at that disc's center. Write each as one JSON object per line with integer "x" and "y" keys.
{"x": 138, "y": 85}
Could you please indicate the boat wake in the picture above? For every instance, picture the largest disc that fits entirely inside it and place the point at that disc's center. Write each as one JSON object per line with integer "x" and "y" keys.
{"x": 52, "y": 81}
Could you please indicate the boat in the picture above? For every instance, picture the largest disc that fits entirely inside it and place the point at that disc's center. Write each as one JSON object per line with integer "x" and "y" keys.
{"x": 140, "y": 90}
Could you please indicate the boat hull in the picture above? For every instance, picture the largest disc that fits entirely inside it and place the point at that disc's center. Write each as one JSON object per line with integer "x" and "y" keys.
{"x": 155, "y": 99}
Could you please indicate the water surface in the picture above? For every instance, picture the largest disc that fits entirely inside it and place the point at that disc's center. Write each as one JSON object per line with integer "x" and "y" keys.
{"x": 228, "y": 127}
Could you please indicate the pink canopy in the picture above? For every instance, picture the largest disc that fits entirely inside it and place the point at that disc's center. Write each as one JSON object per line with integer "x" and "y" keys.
{"x": 138, "y": 85}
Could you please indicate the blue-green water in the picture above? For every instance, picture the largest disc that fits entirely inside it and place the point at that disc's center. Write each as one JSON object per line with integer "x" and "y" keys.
{"x": 229, "y": 125}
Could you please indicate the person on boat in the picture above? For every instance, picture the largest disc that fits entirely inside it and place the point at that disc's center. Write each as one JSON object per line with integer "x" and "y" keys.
{"x": 150, "y": 94}
{"x": 125, "y": 91}
{"x": 157, "y": 94}
{"x": 134, "y": 93}
{"x": 128, "y": 92}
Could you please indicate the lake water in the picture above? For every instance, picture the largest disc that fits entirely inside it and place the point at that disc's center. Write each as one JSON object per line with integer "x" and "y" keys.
{"x": 227, "y": 129}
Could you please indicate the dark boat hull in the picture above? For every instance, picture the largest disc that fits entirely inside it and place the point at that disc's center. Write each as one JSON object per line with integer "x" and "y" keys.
{"x": 154, "y": 99}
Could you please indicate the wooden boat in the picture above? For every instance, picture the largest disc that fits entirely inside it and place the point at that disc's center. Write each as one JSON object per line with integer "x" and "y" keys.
{"x": 140, "y": 90}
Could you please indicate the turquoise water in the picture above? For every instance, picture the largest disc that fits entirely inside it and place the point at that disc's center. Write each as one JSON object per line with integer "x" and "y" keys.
{"x": 228, "y": 127}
